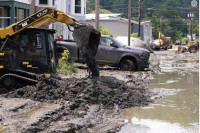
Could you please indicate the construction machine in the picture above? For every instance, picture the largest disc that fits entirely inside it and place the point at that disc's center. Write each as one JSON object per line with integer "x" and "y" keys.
{"x": 193, "y": 46}
{"x": 28, "y": 51}
{"x": 165, "y": 43}
{"x": 162, "y": 42}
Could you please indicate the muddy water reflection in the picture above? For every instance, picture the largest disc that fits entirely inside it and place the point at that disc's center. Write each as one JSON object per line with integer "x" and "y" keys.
{"x": 177, "y": 113}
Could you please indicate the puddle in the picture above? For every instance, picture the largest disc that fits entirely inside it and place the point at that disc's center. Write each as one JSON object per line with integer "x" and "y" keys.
{"x": 32, "y": 111}
{"x": 188, "y": 61}
{"x": 151, "y": 126}
{"x": 3, "y": 129}
{"x": 175, "y": 113}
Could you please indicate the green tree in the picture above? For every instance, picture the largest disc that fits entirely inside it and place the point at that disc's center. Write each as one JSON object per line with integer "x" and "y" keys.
{"x": 196, "y": 29}
{"x": 167, "y": 16}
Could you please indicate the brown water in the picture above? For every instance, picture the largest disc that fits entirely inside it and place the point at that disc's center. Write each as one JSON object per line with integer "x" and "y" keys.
{"x": 176, "y": 113}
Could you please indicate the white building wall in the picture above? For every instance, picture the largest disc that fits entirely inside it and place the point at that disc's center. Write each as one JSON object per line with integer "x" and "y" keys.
{"x": 68, "y": 7}
{"x": 23, "y": 1}
{"x": 117, "y": 28}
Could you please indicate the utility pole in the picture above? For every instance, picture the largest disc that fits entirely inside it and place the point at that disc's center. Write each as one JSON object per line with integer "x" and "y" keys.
{"x": 139, "y": 11}
{"x": 129, "y": 22}
{"x": 190, "y": 16}
{"x": 97, "y": 14}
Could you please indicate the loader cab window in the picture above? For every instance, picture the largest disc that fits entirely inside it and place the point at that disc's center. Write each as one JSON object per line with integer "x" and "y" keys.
{"x": 33, "y": 47}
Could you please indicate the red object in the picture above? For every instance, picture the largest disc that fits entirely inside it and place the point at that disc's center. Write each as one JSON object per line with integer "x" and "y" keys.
{"x": 60, "y": 38}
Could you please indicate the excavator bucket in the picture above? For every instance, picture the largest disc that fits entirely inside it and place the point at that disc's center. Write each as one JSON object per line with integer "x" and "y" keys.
{"x": 88, "y": 38}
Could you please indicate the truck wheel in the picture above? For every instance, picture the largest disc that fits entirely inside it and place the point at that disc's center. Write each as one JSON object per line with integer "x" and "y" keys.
{"x": 193, "y": 49}
{"x": 128, "y": 65}
{"x": 9, "y": 82}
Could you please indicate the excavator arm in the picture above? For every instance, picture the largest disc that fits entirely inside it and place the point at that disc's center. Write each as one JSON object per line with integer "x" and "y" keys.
{"x": 161, "y": 35}
{"x": 85, "y": 35}
{"x": 41, "y": 19}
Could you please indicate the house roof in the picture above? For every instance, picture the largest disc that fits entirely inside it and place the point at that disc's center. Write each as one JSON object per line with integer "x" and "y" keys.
{"x": 114, "y": 17}
{"x": 104, "y": 16}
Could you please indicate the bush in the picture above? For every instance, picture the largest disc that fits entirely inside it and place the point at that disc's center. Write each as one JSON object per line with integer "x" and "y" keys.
{"x": 65, "y": 66}
{"x": 135, "y": 35}
{"x": 185, "y": 40}
{"x": 106, "y": 31}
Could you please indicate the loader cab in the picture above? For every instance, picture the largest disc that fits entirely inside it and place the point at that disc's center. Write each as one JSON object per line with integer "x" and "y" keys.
{"x": 25, "y": 55}
{"x": 37, "y": 50}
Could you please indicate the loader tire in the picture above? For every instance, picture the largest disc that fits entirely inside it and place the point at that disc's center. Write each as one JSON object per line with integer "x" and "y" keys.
{"x": 193, "y": 49}
{"x": 9, "y": 82}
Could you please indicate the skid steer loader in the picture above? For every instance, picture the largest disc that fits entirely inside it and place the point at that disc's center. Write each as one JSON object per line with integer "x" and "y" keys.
{"x": 27, "y": 48}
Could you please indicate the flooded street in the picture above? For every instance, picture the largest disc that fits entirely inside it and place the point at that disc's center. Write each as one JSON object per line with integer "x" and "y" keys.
{"x": 163, "y": 99}
{"x": 178, "y": 112}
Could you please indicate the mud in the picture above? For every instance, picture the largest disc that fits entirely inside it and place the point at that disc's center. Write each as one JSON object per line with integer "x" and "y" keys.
{"x": 107, "y": 91}
{"x": 80, "y": 104}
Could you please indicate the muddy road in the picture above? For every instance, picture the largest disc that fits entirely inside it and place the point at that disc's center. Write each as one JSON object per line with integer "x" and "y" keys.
{"x": 80, "y": 104}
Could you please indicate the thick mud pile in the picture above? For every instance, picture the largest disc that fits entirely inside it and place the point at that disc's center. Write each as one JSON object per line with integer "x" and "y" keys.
{"x": 101, "y": 90}
{"x": 73, "y": 105}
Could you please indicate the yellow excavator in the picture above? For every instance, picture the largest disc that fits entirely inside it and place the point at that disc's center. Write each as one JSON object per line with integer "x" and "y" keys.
{"x": 193, "y": 46}
{"x": 162, "y": 42}
{"x": 165, "y": 43}
{"x": 28, "y": 50}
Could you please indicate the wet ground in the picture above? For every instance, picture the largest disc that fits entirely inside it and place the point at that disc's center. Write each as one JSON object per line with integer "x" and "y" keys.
{"x": 164, "y": 98}
{"x": 178, "y": 111}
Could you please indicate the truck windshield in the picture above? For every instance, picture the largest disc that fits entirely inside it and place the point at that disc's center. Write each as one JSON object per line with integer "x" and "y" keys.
{"x": 122, "y": 44}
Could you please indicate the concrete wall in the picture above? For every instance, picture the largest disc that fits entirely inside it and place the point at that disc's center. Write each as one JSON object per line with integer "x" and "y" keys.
{"x": 145, "y": 31}
{"x": 120, "y": 28}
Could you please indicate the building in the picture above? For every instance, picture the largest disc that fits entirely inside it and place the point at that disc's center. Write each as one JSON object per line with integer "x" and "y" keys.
{"x": 119, "y": 26}
{"x": 75, "y": 8}
{"x": 12, "y": 11}
{"x": 145, "y": 30}
{"x": 37, "y": 5}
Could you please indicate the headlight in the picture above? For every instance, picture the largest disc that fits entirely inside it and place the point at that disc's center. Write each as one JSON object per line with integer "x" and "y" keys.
{"x": 143, "y": 55}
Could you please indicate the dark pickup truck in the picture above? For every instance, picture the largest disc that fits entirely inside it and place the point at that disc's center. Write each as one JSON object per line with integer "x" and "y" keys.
{"x": 111, "y": 52}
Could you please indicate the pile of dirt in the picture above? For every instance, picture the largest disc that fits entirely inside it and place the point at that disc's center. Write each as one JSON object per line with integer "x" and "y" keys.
{"x": 108, "y": 91}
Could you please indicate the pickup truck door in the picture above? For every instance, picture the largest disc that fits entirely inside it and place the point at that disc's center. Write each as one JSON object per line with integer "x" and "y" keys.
{"x": 107, "y": 54}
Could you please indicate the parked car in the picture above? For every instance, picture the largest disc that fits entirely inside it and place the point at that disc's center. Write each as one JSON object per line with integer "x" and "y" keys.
{"x": 111, "y": 52}
{"x": 178, "y": 42}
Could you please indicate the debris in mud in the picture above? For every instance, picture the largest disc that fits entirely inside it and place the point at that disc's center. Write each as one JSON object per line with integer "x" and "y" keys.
{"x": 79, "y": 92}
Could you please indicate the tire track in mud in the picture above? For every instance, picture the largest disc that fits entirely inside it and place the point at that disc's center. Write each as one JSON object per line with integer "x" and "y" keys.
{"x": 70, "y": 104}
